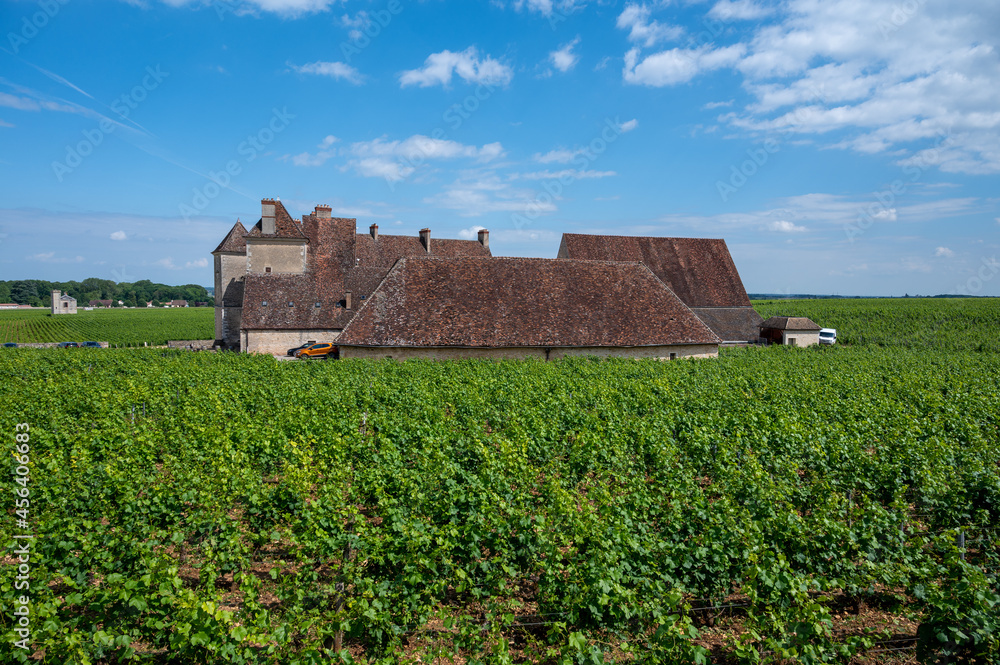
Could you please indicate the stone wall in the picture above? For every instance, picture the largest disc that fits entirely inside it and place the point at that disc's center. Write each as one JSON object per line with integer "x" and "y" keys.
{"x": 280, "y": 256}
{"x": 277, "y": 342}
{"x": 520, "y": 353}
{"x": 800, "y": 338}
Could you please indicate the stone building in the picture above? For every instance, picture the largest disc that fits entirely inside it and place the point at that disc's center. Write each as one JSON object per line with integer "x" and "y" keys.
{"x": 285, "y": 282}
{"x": 63, "y": 304}
{"x": 790, "y": 330}
{"x": 522, "y": 308}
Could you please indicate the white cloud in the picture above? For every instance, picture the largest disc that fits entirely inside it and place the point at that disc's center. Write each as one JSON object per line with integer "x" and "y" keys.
{"x": 879, "y": 76}
{"x": 439, "y": 68}
{"x": 479, "y": 193}
{"x": 739, "y": 10}
{"x": 886, "y": 214}
{"x": 169, "y": 264}
{"x": 50, "y": 257}
{"x": 548, "y": 8}
{"x": 396, "y": 160}
{"x": 636, "y": 19}
{"x": 356, "y": 24}
{"x": 285, "y": 8}
{"x": 563, "y": 58}
{"x": 118, "y": 235}
{"x": 471, "y": 233}
{"x": 677, "y": 65}
{"x": 565, "y": 174}
{"x": 558, "y": 156}
{"x": 945, "y": 252}
{"x": 315, "y": 159}
{"x": 784, "y": 226}
{"x": 334, "y": 70}
{"x": 628, "y": 125}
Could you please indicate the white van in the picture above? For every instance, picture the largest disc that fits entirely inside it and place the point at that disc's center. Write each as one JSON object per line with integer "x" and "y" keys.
{"x": 828, "y": 336}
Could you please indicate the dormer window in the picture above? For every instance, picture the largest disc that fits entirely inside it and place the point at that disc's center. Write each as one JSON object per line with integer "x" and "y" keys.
{"x": 291, "y": 304}
{"x": 267, "y": 268}
{"x": 318, "y": 304}
{"x": 264, "y": 304}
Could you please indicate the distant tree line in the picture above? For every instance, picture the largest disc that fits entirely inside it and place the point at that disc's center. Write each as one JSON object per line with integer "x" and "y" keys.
{"x": 38, "y": 292}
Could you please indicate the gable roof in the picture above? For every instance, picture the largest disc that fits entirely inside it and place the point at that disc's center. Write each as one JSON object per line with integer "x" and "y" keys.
{"x": 486, "y": 302}
{"x": 699, "y": 270}
{"x": 234, "y": 242}
{"x": 284, "y": 226}
{"x": 790, "y": 323}
{"x": 277, "y": 290}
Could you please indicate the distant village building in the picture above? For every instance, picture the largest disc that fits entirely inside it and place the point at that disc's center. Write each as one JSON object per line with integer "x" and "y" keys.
{"x": 177, "y": 303}
{"x": 63, "y": 304}
{"x": 101, "y": 303}
{"x": 286, "y": 282}
{"x": 790, "y": 330}
{"x": 9, "y": 305}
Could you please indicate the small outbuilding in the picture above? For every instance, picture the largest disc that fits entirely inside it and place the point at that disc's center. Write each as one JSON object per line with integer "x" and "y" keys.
{"x": 790, "y": 331}
{"x": 63, "y": 303}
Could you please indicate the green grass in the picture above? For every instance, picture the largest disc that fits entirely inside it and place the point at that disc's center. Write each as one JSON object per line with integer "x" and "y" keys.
{"x": 120, "y": 327}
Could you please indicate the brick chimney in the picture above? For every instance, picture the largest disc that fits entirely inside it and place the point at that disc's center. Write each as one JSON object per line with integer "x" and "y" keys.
{"x": 267, "y": 217}
{"x": 484, "y": 238}
{"x": 373, "y": 229}
{"x": 425, "y": 239}
{"x": 323, "y": 211}
{"x": 347, "y": 300}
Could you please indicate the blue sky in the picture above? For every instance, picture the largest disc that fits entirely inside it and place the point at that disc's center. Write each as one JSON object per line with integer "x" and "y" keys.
{"x": 839, "y": 146}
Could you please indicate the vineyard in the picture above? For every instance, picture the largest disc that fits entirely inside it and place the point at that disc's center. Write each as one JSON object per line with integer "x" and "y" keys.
{"x": 780, "y": 505}
{"x": 118, "y": 327}
{"x": 944, "y": 324}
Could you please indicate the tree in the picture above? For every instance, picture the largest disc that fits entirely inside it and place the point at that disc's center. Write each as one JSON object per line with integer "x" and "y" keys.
{"x": 24, "y": 292}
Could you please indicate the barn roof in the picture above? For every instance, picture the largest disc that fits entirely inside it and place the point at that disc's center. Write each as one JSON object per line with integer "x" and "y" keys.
{"x": 790, "y": 323}
{"x": 234, "y": 242}
{"x": 699, "y": 270}
{"x": 485, "y": 302}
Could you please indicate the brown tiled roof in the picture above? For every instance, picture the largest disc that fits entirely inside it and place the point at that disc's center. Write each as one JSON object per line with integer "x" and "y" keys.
{"x": 284, "y": 225}
{"x": 385, "y": 251}
{"x": 303, "y": 291}
{"x": 333, "y": 269}
{"x": 515, "y": 302}
{"x": 234, "y": 241}
{"x": 731, "y": 324}
{"x": 790, "y": 323}
{"x": 699, "y": 270}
